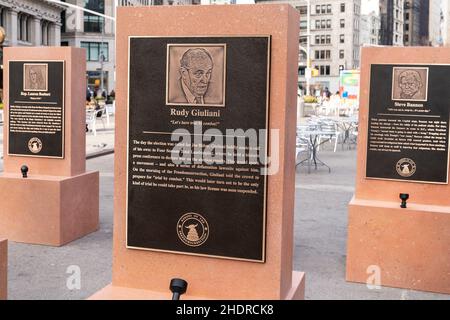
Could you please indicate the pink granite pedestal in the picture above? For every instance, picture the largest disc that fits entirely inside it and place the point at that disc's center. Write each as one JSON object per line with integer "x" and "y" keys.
{"x": 141, "y": 274}
{"x": 3, "y": 269}
{"x": 410, "y": 247}
{"x": 59, "y": 201}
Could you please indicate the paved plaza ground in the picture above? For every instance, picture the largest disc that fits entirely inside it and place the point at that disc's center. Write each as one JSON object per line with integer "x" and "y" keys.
{"x": 40, "y": 272}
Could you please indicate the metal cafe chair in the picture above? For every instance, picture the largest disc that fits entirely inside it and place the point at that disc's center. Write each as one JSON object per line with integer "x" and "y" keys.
{"x": 91, "y": 120}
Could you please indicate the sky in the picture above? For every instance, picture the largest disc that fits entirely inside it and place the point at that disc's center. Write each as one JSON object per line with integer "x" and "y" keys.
{"x": 368, "y": 6}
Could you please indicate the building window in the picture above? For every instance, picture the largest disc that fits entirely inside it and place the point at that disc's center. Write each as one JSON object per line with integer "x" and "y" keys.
{"x": 303, "y": 25}
{"x": 341, "y": 54}
{"x": 324, "y": 70}
{"x": 317, "y": 9}
{"x": 328, "y": 39}
{"x": 63, "y": 21}
{"x": 342, "y": 23}
{"x": 301, "y": 71}
{"x": 317, "y": 39}
{"x": 329, "y": 8}
{"x": 303, "y": 10}
{"x": 23, "y": 27}
{"x": 342, "y": 7}
{"x": 95, "y": 49}
{"x": 322, "y": 54}
{"x": 45, "y": 30}
{"x": 342, "y": 38}
{"x": 2, "y": 17}
{"x": 93, "y": 23}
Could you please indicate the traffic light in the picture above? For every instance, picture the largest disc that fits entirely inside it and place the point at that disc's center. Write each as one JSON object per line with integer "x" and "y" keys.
{"x": 314, "y": 72}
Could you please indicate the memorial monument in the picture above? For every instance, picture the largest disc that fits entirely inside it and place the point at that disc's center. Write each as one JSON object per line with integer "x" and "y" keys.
{"x": 224, "y": 227}
{"x": 3, "y": 269}
{"x": 48, "y": 197}
{"x": 399, "y": 218}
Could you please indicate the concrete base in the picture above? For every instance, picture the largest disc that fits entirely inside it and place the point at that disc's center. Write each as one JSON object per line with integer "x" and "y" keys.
{"x": 48, "y": 210}
{"x": 111, "y": 292}
{"x": 410, "y": 246}
{"x": 3, "y": 269}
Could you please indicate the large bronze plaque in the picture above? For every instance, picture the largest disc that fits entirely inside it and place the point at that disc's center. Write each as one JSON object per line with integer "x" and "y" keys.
{"x": 201, "y": 87}
{"x": 409, "y": 123}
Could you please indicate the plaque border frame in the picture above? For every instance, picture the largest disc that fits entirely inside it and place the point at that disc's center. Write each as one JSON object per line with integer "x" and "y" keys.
{"x": 63, "y": 110}
{"x": 418, "y": 64}
{"x": 267, "y": 146}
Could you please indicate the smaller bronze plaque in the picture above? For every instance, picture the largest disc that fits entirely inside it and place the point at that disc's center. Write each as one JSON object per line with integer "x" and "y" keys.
{"x": 36, "y": 109}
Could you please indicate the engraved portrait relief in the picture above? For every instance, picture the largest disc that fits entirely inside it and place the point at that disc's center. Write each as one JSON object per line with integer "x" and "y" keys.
{"x": 196, "y": 75}
{"x": 35, "y": 77}
{"x": 410, "y": 84}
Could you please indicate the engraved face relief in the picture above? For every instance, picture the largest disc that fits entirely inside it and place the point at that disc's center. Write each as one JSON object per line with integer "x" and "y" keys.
{"x": 35, "y": 77}
{"x": 410, "y": 84}
{"x": 196, "y": 75}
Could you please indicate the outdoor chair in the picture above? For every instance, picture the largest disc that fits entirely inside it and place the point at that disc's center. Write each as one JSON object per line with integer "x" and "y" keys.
{"x": 92, "y": 116}
{"x": 330, "y": 131}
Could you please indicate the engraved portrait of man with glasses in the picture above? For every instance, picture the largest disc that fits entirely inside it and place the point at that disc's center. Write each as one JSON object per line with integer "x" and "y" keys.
{"x": 196, "y": 75}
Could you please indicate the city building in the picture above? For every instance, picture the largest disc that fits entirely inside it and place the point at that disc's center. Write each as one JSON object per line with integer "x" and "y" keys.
{"x": 392, "y": 22}
{"x": 218, "y": 1}
{"x": 96, "y": 35}
{"x": 415, "y": 22}
{"x": 370, "y": 29}
{"x": 408, "y": 22}
{"x": 422, "y": 23}
{"x": 335, "y": 39}
{"x": 127, "y": 3}
{"x": 445, "y": 22}
{"x": 31, "y": 22}
{"x": 435, "y": 31}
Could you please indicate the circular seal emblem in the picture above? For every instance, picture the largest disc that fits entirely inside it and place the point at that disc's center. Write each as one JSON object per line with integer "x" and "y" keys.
{"x": 35, "y": 145}
{"x": 406, "y": 167}
{"x": 192, "y": 229}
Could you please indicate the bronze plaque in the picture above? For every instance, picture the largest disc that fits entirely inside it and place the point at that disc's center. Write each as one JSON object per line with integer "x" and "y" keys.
{"x": 409, "y": 123}
{"x": 192, "y": 102}
{"x": 36, "y": 109}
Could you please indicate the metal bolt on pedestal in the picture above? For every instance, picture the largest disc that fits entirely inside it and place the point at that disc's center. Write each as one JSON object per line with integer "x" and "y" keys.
{"x": 404, "y": 197}
{"x": 178, "y": 287}
{"x": 24, "y": 170}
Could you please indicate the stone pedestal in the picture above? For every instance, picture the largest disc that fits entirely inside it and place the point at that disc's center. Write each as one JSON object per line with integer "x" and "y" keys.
{"x": 140, "y": 274}
{"x": 49, "y": 210}
{"x": 409, "y": 247}
{"x": 3, "y": 269}
{"x": 59, "y": 201}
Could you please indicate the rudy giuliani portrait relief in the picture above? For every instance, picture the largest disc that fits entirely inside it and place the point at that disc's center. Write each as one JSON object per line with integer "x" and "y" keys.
{"x": 35, "y": 77}
{"x": 410, "y": 84}
{"x": 196, "y": 75}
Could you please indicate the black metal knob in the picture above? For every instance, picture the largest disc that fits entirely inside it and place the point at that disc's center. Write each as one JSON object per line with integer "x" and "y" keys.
{"x": 404, "y": 197}
{"x": 24, "y": 170}
{"x": 178, "y": 287}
